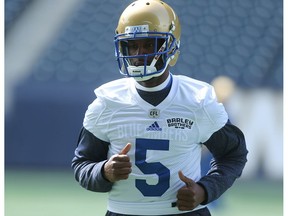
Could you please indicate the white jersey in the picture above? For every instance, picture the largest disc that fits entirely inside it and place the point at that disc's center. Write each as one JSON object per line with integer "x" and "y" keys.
{"x": 165, "y": 139}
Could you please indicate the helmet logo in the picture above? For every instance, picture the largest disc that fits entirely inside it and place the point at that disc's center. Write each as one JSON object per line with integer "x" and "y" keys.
{"x": 130, "y": 30}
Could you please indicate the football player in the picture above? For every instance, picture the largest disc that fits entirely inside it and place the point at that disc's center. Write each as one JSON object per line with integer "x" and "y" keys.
{"x": 142, "y": 136}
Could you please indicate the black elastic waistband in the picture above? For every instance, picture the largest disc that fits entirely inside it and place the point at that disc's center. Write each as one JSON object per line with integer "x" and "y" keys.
{"x": 200, "y": 212}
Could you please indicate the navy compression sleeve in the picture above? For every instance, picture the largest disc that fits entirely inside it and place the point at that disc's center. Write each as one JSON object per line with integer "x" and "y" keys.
{"x": 229, "y": 151}
{"x": 90, "y": 156}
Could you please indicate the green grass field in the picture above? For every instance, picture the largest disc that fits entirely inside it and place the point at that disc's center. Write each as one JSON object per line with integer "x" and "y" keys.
{"x": 56, "y": 193}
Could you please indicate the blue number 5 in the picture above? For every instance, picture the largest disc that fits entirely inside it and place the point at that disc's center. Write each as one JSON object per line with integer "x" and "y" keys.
{"x": 142, "y": 145}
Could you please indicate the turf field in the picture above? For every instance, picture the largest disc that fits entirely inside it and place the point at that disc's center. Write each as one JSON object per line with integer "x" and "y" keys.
{"x": 55, "y": 193}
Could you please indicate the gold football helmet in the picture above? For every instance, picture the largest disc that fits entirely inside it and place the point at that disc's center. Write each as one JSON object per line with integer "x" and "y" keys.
{"x": 152, "y": 26}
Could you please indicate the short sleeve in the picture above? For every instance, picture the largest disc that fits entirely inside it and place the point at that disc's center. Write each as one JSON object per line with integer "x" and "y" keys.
{"x": 95, "y": 120}
{"x": 213, "y": 114}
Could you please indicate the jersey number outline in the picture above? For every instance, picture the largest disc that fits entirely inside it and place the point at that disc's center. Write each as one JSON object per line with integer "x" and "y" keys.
{"x": 142, "y": 146}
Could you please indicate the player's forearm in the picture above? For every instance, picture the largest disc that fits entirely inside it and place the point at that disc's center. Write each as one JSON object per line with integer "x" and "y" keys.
{"x": 90, "y": 156}
{"x": 89, "y": 175}
{"x": 220, "y": 177}
{"x": 228, "y": 148}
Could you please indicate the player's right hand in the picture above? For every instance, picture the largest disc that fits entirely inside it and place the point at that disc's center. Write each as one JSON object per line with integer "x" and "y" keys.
{"x": 118, "y": 167}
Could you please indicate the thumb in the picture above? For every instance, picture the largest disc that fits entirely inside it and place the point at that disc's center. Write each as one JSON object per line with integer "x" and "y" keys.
{"x": 189, "y": 182}
{"x": 126, "y": 149}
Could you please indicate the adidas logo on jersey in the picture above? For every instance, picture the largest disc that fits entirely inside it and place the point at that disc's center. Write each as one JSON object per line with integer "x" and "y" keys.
{"x": 154, "y": 127}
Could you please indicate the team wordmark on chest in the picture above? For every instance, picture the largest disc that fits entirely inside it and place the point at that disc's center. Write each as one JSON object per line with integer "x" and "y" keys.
{"x": 181, "y": 123}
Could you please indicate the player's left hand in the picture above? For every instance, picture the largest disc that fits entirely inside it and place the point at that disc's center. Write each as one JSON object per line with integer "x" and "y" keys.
{"x": 189, "y": 196}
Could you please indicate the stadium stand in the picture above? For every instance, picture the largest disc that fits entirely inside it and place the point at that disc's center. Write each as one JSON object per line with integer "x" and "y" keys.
{"x": 241, "y": 39}
{"x": 13, "y": 10}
